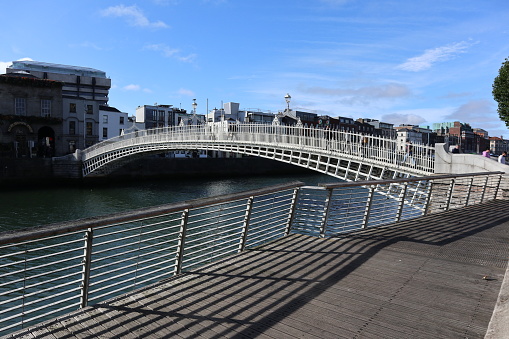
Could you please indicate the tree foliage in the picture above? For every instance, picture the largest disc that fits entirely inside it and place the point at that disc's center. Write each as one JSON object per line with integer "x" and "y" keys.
{"x": 501, "y": 92}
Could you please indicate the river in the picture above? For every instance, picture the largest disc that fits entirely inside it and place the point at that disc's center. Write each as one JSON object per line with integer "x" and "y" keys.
{"x": 27, "y": 208}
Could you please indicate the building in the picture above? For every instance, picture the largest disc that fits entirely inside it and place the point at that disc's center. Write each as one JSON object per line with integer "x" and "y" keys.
{"x": 457, "y": 133}
{"x": 156, "y": 116}
{"x": 31, "y": 121}
{"x": 84, "y": 90}
{"x": 407, "y": 133}
{"x": 112, "y": 122}
{"x": 498, "y": 145}
{"x": 382, "y": 129}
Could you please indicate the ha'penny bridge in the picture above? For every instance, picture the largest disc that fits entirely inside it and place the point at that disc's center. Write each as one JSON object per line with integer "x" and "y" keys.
{"x": 396, "y": 251}
{"x": 345, "y": 155}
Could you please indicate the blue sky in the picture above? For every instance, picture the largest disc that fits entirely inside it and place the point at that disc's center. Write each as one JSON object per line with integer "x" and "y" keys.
{"x": 399, "y": 61}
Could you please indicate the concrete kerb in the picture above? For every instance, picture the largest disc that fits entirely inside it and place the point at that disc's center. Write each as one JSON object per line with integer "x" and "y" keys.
{"x": 499, "y": 323}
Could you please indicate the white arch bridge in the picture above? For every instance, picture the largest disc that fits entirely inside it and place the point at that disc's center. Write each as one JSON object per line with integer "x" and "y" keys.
{"x": 345, "y": 155}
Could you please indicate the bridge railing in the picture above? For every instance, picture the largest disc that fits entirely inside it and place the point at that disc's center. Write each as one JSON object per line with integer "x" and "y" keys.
{"x": 51, "y": 270}
{"x": 331, "y": 142}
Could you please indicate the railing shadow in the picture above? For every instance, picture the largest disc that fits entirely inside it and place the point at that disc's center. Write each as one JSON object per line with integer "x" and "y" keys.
{"x": 244, "y": 296}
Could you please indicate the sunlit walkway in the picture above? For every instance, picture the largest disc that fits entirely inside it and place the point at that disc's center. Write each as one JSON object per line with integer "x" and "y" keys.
{"x": 433, "y": 277}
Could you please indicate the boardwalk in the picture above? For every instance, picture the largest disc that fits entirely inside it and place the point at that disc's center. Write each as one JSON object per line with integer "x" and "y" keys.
{"x": 434, "y": 277}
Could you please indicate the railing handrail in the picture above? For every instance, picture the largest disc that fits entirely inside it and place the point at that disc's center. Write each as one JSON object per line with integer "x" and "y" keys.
{"x": 9, "y": 237}
{"x": 402, "y": 180}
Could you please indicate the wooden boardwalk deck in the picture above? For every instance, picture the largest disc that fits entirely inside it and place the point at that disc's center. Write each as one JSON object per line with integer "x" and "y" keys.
{"x": 415, "y": 279}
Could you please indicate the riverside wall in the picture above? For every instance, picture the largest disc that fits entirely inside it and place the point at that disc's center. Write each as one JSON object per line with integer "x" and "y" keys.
{"x": 45, "y": 172}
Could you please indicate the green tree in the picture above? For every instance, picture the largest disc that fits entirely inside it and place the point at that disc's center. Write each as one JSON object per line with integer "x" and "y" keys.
{"x": 501, "y": 92}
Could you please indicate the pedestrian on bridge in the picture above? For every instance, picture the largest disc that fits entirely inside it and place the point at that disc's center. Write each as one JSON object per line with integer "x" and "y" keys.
{"x": 486, "y": 153}
{"x": 409, "y": 149}
{"x": 502, "y": 158}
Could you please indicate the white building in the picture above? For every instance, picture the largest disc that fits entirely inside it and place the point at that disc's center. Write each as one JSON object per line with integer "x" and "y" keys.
{"x": 405, "y": 134}
{"x": 231, "y": 113}
{"x": 112, "y": 122}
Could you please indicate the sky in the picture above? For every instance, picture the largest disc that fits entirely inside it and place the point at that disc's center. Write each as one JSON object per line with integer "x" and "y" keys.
{"x": 398, "y": 61}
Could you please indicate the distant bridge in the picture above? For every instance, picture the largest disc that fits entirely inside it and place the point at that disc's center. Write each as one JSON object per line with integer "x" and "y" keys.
{"x": 345, "y": 155}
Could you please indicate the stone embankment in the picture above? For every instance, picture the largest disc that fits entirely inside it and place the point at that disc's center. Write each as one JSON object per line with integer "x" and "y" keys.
{"x": 49, "y": 172}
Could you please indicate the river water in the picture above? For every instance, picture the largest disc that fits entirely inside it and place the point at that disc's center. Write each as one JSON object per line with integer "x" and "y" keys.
{"x": 28, "y": 208}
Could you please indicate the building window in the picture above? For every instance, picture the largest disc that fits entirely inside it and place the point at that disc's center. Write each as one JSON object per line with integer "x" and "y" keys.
{"x": 72, "y": 108}
{"x": 105, "y": 132}
{"x": 72, "y": 127}
{"x": 20, "y": 106}
{"x": 89, "y": 128}
{"x": 45, "y": 108}
{"x": 72, "y": 146}
{"x": 121, "y": 120}
{"x": 105, "y": 119}
{"x": 90, "y": 109}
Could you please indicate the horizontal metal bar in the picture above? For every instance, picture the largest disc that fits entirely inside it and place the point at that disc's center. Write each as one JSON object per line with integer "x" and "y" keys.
{"x": 82, "y": 224}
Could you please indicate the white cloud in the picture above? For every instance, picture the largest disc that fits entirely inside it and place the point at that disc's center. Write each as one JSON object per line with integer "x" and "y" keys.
{"x": 186, "y": 92}
{"x": 432, "y": 56}
{"x": 475, "y": 111}
{"x": 164, "y": 49}
{"x": 406, "y": 119}
{"x": 169, "y": 52}
{"x": 134, "y": 16}
{"x": 362, "y": 95}
{"x": 132, "y": 87}
{"x": 4, "y": 65}
{"x": 86, "y": 44}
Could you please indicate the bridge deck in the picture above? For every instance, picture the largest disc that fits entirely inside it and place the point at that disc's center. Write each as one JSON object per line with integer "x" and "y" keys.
{"x": 415, "y": 279}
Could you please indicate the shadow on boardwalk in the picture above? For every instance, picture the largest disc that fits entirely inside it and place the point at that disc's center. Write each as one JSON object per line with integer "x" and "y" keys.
{"x": 433, "y": 277}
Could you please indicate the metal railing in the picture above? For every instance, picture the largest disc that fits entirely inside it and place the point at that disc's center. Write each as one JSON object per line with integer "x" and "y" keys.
{"x": 48, "y": 271}
{"x": 340, "y": 143}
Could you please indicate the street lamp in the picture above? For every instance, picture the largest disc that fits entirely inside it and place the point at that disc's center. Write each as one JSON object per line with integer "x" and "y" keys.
{"x": 287, "y": 99}
{"x": 194, "y": 111}
{"x": 194, "y": 106}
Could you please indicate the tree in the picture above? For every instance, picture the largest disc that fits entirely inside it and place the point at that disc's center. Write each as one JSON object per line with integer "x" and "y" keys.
{"x": 501, "y": 92}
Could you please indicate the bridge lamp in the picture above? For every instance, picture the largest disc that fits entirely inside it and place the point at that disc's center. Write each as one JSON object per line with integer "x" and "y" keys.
{"x": 287, "y": 99}
{"x": 194, "y": 120}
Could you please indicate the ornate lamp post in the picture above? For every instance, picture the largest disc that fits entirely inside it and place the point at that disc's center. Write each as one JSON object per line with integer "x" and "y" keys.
{"x": 287, "y": 99}
{"x": 194, "y": 104}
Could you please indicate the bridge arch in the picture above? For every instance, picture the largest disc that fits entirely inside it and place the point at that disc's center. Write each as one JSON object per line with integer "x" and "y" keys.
{"x": 345, "y": 155}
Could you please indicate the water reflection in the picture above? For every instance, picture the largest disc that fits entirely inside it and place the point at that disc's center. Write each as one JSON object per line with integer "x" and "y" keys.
{"x": 29, "y": 208}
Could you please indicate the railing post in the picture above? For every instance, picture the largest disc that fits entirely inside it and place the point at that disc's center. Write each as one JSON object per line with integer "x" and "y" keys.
{"x": 449, "y": 194}
{"x": 484, "y": 188}
{"x": 325, "y": 217}
{"x": 470, "y": 184}
{"x": 291, "y": 215}
{"x": 498, "y": 186}
{"x": 181, "y": 241}
{"x": 367, "y": 210}
{"x": 427, "y": 204}
{"x": 401, "y": 202}
{"x": 245, "y": 226}
{"x": 86, "y": 262}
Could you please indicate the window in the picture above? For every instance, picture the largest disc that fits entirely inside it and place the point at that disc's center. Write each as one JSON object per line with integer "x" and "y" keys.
{"x": 72, "y": 127}
{"x": 105, "y": 132}
{"x": 121, "y": 120}
{"x": 72, "y": 107}
{"x": 20, "y": 106}
{"x": 45, "y": 108}
{"x": 90, "y": 109}
{"x": 89, "y": 128}
{"x": 105, "y": 119}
